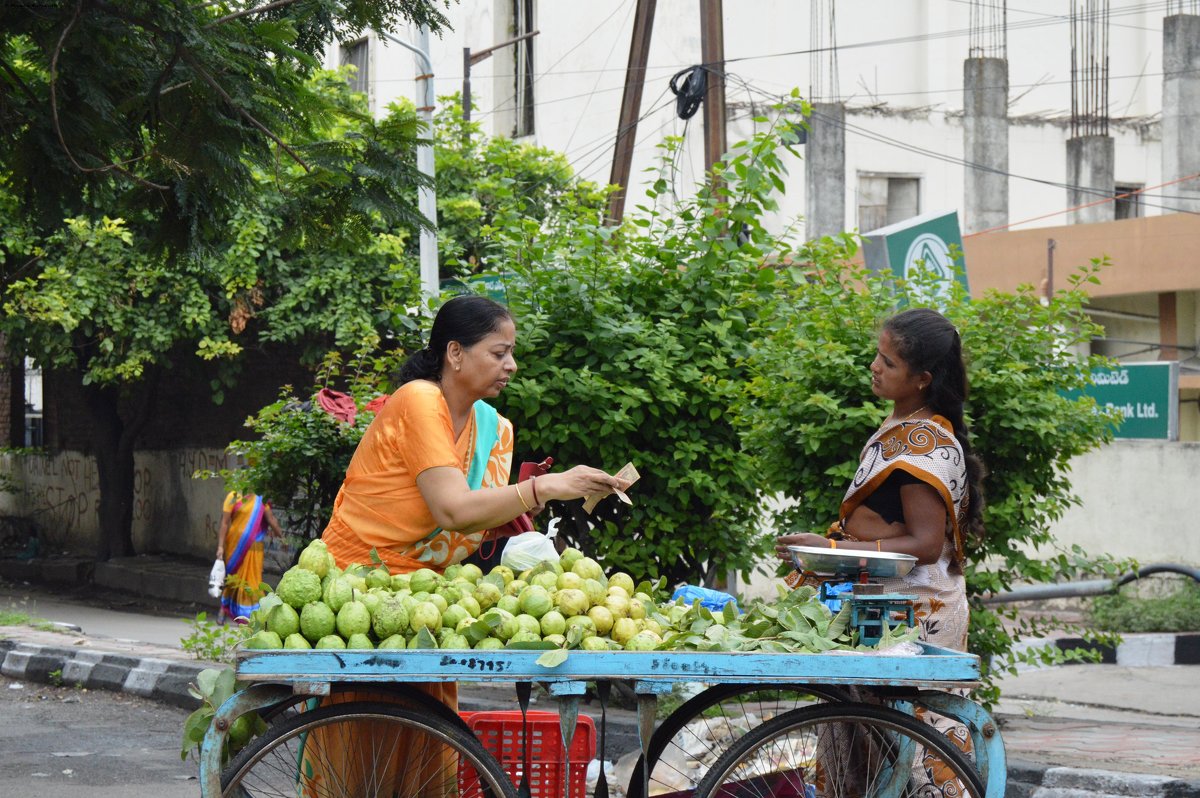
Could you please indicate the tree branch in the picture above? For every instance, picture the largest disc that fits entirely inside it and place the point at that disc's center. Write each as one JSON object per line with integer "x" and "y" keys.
{"x": 211, "y": 81}
{"x": 17, "y": 79}
{"x": 247, "y": 12}
{"x": 62, "y": 141}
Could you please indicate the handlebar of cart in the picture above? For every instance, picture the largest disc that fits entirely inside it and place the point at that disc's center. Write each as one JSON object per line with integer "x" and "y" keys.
{"x": 930, "y": 679}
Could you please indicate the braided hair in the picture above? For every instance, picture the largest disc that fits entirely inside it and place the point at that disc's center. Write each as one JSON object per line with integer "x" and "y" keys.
{"x": 467, "y": 319}
{"x": 927, "y": 341}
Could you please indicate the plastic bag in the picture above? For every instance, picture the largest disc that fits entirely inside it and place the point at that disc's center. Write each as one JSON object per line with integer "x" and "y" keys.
{"x": 711, "y": 599}
{"x": 527, "y": 550}
{"x": 216, "y": 578}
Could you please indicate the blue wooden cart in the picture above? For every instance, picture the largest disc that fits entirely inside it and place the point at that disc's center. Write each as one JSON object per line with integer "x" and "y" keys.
{"x": 839, "y": 724}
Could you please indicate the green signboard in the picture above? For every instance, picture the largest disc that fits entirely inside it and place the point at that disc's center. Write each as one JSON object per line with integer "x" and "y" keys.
{"x": 931, "y": 242}
{"x": 1147, "y": 394}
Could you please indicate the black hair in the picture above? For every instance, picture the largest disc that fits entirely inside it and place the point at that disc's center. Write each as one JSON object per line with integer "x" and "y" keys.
{"x": 927, "y": 341}
{"x": 467, "y": 319}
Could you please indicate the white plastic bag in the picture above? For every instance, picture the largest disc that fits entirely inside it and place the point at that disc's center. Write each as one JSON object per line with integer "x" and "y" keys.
{"x": 530, "y": 548}
{"x": 216, "y": 578}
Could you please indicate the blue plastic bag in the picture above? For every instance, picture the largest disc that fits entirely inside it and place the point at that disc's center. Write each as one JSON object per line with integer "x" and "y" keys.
{"x": 714, "y": 600}
{"x": 832, "y": 591}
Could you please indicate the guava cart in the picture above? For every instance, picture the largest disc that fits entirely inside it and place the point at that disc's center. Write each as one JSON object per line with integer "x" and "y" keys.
{"x": 821, "y": 736}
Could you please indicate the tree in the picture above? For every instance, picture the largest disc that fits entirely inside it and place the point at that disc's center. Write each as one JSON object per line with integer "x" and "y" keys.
{"x": 208, "y": 175}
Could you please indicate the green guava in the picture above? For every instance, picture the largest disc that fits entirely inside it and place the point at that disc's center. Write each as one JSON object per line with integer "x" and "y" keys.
{"x": 338, "y": 591}
{"x": 283, "y": 620}
{"x": 316, "y": 621}
{"x": 330, "y": 641}
{"x": 353, "y": 618}
{"x": 296, "y": 641}
{"x": 425, "y": 615}
{"x": 299, "y": 586}
{"x": 553, "y": 623}
{"x": 571, "y": 602}
{"x": 263, "y": 640}
{"x": 315, "y": 558}
{"x": 424, "y": 580}
{"x": 379, "y": 577}
{"x": 390, "y": 618}
{"x": 359, "y": 640}
{"x": 535, "y": 600}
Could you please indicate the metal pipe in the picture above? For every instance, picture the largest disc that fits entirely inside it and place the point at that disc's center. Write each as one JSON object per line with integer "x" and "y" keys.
{"x": 426, "y": 196}
{"x": 1090, "y": 587}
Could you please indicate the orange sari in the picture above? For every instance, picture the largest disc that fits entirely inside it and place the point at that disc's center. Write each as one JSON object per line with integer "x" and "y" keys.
{"x": 380, "y": 507}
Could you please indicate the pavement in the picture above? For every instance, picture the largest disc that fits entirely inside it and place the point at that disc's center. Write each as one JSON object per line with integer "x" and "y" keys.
{"x": 1128, "y": 727}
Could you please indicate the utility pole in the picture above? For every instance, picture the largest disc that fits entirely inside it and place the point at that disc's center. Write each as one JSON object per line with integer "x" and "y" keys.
{"x": 712, "y": 54}
{"x": 426, "y": 195}
{"x": 470, "y": 59}
{"x": 631, "y": 106}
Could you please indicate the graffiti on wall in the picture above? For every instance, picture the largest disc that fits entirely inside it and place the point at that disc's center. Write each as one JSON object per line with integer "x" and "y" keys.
{"x": 62, "y": 495}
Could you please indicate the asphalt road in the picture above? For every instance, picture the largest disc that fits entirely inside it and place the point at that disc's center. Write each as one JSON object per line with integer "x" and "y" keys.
{"x": 59, "y": 742}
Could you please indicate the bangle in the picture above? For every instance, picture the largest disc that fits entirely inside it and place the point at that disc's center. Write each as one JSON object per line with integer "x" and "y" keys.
{"x": 521, "y": 496}
{"x": 878, "y": 545}
{"x": 533, "y": 485}
{"x": 832, "y": 543}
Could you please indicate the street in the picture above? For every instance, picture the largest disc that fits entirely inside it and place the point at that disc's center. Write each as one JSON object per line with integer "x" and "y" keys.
{"x": 60, "y": 742}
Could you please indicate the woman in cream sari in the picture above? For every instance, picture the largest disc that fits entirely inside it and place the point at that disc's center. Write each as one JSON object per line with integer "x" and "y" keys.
{"x": 917, "y": 487}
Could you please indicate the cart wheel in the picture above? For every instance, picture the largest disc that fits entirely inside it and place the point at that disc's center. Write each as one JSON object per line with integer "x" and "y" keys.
{"x": 714, "y": 718}
{"x": 834, "y": 750}
{"x": 384, "y": 693}
{"x": 365, "y": 750}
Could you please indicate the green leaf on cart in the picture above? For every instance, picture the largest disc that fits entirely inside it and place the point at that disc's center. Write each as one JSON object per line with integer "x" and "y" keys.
{"x": 552, "y": 659}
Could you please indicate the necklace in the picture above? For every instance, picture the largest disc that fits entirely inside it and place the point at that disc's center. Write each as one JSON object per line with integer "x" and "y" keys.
{"x": 910, "y": 415}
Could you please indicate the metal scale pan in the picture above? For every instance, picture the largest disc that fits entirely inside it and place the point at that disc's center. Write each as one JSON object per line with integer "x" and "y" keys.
{"x": 850, "y": 564}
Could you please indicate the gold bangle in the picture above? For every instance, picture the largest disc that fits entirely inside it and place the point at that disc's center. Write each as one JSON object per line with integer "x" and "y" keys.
{"x": 878, "y": 545}
{"x": 832, "y": 543}
{"x": 521, "y": 496}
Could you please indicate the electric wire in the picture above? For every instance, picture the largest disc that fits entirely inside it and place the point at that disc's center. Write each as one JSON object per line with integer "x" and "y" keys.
{"x": 882, "y": 139}
{"x": 599, "y": 77}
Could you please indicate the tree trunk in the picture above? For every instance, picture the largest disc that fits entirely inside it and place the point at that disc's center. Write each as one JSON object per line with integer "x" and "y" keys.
{"x": 115, "y": 439}
{"x": 114, "y": 468}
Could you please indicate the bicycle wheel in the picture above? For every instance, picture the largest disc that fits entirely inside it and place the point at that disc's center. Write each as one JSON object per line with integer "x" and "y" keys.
{"x": 836, "y": 750}
{"x": 365, "y": 750}
{"x": 687, "y": 743}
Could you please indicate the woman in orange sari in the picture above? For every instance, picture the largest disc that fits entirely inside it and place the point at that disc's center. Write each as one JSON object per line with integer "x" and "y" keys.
{"x": 430, "y": 478}
{"x": 917, "y": 488}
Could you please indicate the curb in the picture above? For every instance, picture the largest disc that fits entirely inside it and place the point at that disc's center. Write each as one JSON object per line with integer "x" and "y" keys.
{"x": 1143, "y": 650}
{"x": 1031, "y": 780}
{"x": 150, "y": 677}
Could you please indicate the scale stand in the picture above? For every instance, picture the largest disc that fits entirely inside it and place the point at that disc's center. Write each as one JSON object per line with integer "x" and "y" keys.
{"x": 870, "y": 608}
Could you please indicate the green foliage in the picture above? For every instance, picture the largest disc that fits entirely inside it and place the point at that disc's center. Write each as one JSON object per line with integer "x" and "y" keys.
{"x": 1174, "y": 609}
{"x": 631, "y": 344}
{"x": 481, "y": 179}
{"x": 299, "y": 453}
{"x": 213, "y": 642}
{"x": 213, "y": 687}
{"x": 167, "y": 110}
{"x": 809, "y": 408}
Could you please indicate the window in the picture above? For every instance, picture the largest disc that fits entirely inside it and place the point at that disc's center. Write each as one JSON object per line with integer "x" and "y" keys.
{"x": 884, "y": 200}
{"x": 522, "y": 19}
{"x": 33, "y": 405}
{"x": 355, "y": 54}
{"x": 1127, "y": 207}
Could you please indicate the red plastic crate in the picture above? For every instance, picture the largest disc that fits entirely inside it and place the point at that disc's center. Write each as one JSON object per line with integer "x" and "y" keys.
{"x": 500, "y": 733}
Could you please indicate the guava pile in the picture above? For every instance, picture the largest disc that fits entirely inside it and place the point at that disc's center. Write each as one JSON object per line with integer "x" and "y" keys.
{"x": 565, "y": 604}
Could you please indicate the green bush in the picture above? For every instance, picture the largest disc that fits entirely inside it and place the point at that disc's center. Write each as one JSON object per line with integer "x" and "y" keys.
{"x": 631, "y": 343}
{"x": 1176, "y": 609}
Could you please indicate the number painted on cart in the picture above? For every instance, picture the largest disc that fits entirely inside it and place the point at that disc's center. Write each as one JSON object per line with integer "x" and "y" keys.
{"x": 678, "y": 666}
{"x": 471, "y": 663}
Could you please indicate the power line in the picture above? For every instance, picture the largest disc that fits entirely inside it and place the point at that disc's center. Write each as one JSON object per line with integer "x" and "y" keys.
{"x": 882, "y": 139}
